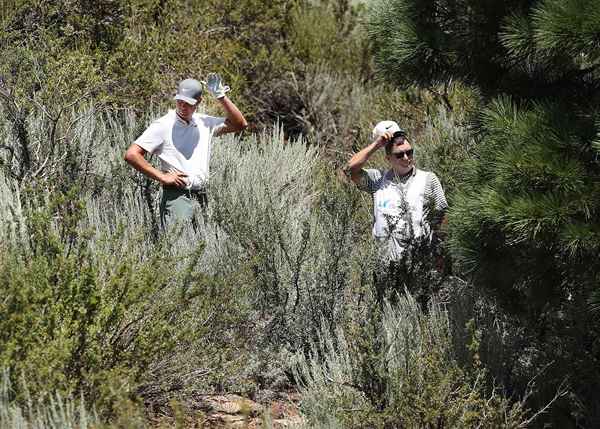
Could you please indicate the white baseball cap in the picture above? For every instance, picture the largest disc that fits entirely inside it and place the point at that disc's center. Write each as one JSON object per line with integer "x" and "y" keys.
{"x": 389, "y": 127}
{"x": 189, "y": 90}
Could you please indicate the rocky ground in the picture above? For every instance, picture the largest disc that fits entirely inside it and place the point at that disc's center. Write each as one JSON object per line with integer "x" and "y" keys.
{"x": 233, "y": 411}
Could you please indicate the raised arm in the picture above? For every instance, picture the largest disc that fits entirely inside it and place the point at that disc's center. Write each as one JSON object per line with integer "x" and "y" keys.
{"x": 358, "y": 160}
{"x": 234, "y": 119}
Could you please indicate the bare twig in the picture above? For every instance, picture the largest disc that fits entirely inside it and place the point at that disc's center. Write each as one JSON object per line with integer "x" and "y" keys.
{"x": 562, "y": 391}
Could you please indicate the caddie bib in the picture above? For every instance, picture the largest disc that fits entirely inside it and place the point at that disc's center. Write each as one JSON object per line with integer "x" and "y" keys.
{"x": 398, "y": 212}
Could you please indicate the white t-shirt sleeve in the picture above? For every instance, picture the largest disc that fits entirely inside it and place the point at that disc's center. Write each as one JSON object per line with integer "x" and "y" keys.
{"x": 214, "y": 123}
{"x": 152, "y": 139}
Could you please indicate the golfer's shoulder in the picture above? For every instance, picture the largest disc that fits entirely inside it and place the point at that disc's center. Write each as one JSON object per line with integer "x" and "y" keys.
{"x": 167, "y": 119}
{"x": 204, "y": 119}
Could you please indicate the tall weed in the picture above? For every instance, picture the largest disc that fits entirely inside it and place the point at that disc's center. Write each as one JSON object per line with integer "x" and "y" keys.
{"x": 56, "y": 413}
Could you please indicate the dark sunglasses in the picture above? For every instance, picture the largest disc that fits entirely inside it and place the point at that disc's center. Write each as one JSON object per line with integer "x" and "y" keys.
{"x": 400, "y": 155}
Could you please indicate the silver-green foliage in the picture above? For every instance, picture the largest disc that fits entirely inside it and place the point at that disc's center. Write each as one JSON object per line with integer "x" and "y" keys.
{"x": 56, "y": 413}
{"x": 93, "y": 302}
{"x": 269, "y": 242}
{"x": 294, "y": 238}
{"x": 398, "y": 370}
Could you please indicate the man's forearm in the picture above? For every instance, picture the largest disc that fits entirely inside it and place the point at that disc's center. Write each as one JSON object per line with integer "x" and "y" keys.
{"x": 235, "y": 118}
{"x": 359, "y": 159}
{"x": 140, "y": 163}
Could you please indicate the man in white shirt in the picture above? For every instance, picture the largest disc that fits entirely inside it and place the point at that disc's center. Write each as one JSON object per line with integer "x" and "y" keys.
{"x": 182, "y": 140}
{"x": 409, "y": 204}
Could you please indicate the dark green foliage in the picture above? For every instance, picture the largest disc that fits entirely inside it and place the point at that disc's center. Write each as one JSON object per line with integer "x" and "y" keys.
{"x": 529, "y": 209}
{"x": 532, "y": 198}
{"x": 526, "y": 48}
{"x": 524, "y": 222}
{"x": 433, "y": 42}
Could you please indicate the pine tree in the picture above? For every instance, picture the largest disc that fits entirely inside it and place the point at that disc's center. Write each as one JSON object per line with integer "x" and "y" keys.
{"x": 525, "y": 223}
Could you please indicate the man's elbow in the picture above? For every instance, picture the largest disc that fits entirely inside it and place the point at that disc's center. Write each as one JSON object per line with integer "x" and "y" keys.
{"x": 128, "y": 156}
{"x": 352, "y": 169}
{"x": 241, "y": 125}
{"x": 131, "y": 154}
{"x": 352, "y": 172}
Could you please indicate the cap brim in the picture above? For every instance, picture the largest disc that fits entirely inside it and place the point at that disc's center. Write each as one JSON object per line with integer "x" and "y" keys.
{"x": 188, "y": 100}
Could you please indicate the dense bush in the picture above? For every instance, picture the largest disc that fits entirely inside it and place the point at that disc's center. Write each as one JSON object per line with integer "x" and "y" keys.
{"x": 92, "y": 303}
{"x": 397, "y": 369}
{"x": 527, "y": 202}
{"x": 98, "y": 302}
{"x": 291, "y": 232}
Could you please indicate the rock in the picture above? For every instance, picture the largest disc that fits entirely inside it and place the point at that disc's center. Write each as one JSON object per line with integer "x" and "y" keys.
{"x": 230, "y": 404}
{"x": 234, "y": 411}
{"x": 228, "y": 420}
{"x": 289, "y": 422}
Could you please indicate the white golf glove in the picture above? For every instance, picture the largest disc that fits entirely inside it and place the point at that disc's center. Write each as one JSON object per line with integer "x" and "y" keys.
{"x": 215, "y": 86}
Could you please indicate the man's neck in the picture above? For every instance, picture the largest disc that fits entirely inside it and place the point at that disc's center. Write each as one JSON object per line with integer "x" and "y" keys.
{"x": 404, "y": 173}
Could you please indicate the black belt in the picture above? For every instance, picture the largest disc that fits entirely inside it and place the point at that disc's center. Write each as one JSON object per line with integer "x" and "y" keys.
{"x": 186, "y": 191}
{"x": 196, "y": 194}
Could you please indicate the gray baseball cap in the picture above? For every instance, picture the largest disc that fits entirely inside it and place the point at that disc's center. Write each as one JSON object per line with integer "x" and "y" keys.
{"x": 189, "y": 90}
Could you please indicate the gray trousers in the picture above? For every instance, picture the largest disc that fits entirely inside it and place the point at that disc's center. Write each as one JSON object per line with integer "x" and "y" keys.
{"x": 179, "y": 205}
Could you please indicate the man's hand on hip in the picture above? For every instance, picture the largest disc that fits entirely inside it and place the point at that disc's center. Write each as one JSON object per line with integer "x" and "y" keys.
{"x": 174, "y": 179}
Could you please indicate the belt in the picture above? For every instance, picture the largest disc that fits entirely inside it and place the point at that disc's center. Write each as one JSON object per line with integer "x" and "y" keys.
{"x": 177, "y": 188}
{"x": 194, "y": 194}
{"x": 190, "y": 192}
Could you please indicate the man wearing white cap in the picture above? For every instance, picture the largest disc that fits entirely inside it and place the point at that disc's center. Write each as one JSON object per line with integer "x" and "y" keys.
{"x": 182, "y": 141}
{"x": 407, "y": 202}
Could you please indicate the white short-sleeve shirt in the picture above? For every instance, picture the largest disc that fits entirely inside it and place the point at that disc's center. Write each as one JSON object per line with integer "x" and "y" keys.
{"x": 182, "y": 146}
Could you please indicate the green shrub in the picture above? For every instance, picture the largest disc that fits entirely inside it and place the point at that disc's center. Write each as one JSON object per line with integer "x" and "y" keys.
{"x": 397, "y": 369}
{"x": 93, "y": 323}
{"x": 93, "y": 303}
{"x": 338, "y": 42}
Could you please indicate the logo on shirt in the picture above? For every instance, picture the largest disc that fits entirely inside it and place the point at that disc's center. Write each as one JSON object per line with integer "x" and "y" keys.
{"x": 385, "y": 204}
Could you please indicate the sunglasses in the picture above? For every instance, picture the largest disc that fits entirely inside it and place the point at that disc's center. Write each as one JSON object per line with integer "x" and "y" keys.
{"x": 400, "y": 155}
